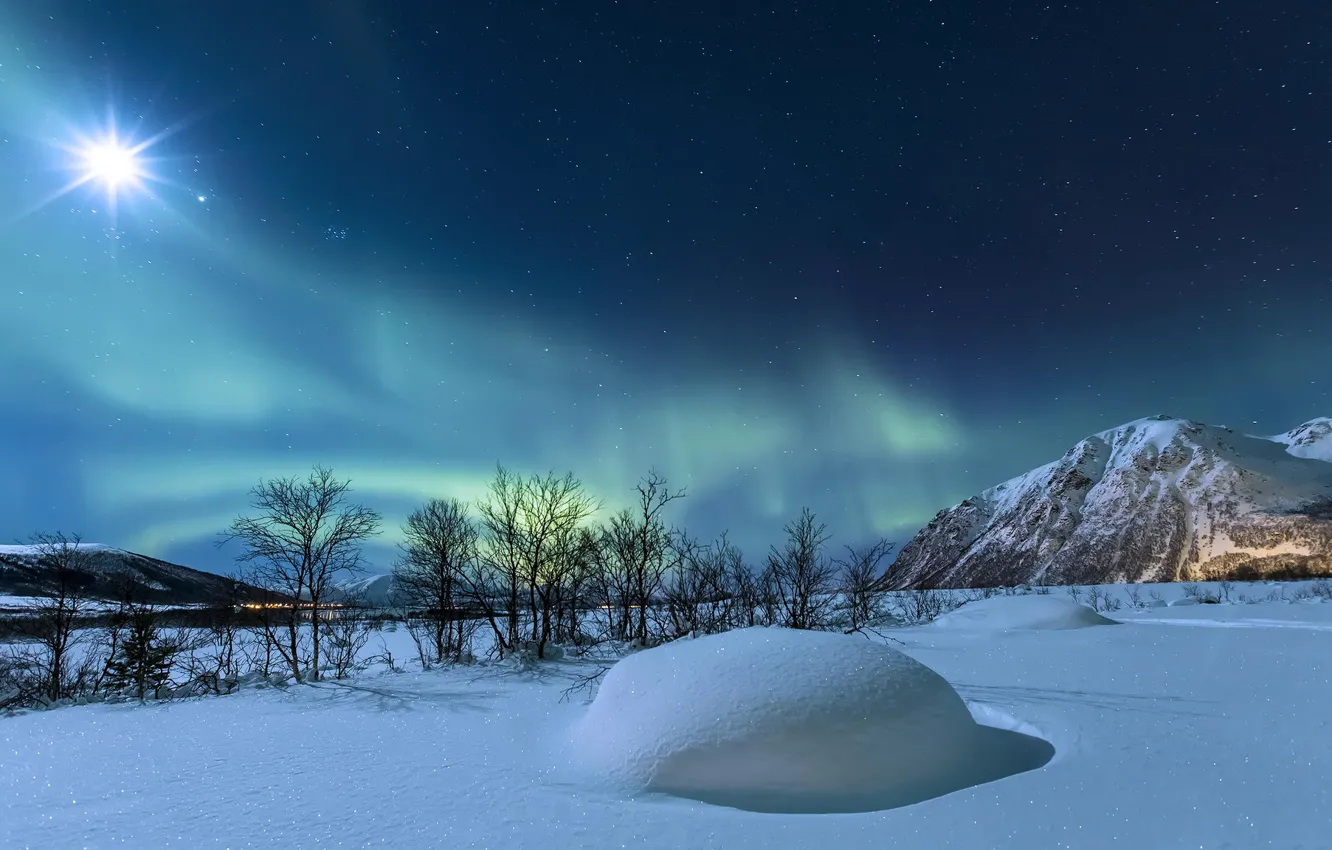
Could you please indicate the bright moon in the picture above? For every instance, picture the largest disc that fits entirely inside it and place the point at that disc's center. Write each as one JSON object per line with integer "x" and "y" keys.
{"x": 111, "y": 163}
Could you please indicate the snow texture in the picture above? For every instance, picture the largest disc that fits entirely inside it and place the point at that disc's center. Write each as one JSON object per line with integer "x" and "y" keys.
{"x": 1005, "y": 613}
{"x": 778, "y": 720}
{"x": 1198, "y": 727}
{"x": 1313, "y": 439}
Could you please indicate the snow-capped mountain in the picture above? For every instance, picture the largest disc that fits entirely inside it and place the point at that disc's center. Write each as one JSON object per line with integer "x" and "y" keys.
{"x": 102, "y": 569}
{"x": 376, "y": 591}
{"x": 1313, "y": 439}
{"x": 1159, "y": 499}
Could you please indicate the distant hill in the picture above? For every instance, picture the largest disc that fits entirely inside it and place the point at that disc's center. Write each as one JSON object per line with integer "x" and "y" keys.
{"x": 377, "y": 591}
{"x": 105, "y": 569}
{"x": 1159, "y": 499}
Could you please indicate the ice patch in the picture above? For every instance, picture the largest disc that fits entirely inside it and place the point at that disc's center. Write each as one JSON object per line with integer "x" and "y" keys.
{"x": 777, "y": 720}
{"x": 1004, "y": 613}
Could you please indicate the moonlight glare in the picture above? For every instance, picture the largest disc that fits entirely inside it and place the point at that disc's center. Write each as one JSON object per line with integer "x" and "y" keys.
{"x": 112, "y": 164}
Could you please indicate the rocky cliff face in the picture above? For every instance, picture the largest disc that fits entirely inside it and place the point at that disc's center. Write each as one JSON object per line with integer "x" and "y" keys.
{"x": 1160, "y": 499}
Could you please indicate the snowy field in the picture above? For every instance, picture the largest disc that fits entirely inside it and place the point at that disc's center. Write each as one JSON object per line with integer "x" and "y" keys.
{"x": 1178, "y": 726}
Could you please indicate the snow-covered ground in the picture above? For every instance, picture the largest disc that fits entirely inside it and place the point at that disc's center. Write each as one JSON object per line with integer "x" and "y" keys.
{"x": 1202, "y": 726}
{"x": 22, "y": 604}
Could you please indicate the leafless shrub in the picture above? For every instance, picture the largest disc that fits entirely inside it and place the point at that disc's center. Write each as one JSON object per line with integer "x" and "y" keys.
{"x": 696, "y": 597}
{"x": 862, "y": 585}
{"x": 345, "y": 635}
{"x": 1101, "y": 599}
{"x": 1300, "y": 594}
{"x": 1095, "y": 598}
{"x": 45, "y": 666}
{"x": 386, "y": 658}
{"x": 1134, "y": 592}
{"x": 218, "y": 659}
{"x": 801, "y": 576}
{"x": 916, "y": 607}
{"x": 1197, "y": 592}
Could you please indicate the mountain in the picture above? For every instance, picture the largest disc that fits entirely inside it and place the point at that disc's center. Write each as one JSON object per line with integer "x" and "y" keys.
{"x": 377, "y": 590}
{"x": 1312, "y": 439}
{"x": 104, "y": 568}
{"x": 1159, "y": 499}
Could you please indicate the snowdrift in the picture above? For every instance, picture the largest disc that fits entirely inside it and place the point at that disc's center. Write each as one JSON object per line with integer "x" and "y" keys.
{"x": 775, "y": 720}
{"x": 1003, "y": 613}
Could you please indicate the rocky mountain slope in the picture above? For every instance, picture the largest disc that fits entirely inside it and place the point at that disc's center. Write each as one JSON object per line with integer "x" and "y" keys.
{"x": 1159, "y": 499}
{"x": 102, "y": 569}
{"x": 377, "y": 590}
{"x": 1312, "y": 440}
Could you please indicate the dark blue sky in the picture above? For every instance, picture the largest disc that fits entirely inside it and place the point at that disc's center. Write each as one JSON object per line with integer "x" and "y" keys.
{"x": 870, "y": 258}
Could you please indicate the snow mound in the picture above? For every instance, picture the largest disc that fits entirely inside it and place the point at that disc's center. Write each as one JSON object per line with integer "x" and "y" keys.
{"x": 1003, "y": 613}
{"x": 776, "y": 720}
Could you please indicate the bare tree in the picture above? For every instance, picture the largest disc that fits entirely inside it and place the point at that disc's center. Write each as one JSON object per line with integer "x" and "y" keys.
{"x": 748, "y": 597}
{"x": 303, "y": 538}
{"x": 802, "y": 577}
{"x": 700, "y": 593}
{"x": 501, "y": 570}
{"x": 575, "y": 594}
{"x": 439, "y": 553}
{"x": 555, "y": 510}
{"x": 639, "y": 553}
{"x": 46, "y": 666}
{"x": 530, "y": 547}
{"x": 862, "y": 584}
{"x": 216, "y": 660}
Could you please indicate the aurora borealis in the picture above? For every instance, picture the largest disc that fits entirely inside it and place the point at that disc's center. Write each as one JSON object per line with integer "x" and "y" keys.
{"x": 872, "y": 261}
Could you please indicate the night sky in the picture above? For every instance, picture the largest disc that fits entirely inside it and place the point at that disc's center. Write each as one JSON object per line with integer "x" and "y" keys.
{"x": 871, "y": 258}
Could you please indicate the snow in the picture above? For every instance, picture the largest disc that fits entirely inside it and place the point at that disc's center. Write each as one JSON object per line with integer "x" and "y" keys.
{"x": 1311, "y": 440}
{"x": 1201, "y": 727}
{"x": 21, "y": 550}
{"x": 19, "y": 604}
{"x": 792, "y": 721}
{"x": 375, "y": 590}
{"x": 1003, "y": 613}
{"x": 1154, "y": 498}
